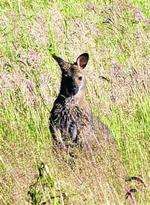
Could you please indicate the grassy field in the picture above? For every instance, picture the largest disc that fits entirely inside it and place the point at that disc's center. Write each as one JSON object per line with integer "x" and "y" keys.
{"x": 115, "y": 34}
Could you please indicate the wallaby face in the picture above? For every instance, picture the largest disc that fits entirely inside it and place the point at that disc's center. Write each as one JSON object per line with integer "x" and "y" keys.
{"x": 72, "y": 80}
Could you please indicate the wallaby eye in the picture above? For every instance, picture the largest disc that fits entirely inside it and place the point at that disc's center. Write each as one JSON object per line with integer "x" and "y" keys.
{"x": 80, "y": 78}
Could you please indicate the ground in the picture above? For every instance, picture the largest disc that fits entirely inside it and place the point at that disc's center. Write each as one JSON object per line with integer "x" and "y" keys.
{"x": 116, "y": 36}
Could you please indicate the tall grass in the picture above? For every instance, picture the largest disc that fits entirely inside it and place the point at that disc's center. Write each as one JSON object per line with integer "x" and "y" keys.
{"x": 115, "y": 34}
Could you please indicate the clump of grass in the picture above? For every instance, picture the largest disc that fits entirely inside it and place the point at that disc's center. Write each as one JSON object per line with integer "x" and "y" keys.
{"x": 44, "y": 189}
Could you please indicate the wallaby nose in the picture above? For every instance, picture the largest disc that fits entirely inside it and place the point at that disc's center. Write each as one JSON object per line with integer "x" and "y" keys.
{"x": 74, "y": 88}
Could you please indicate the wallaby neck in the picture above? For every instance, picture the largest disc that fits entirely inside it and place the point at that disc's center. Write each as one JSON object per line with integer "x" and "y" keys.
{"x": 77, "y": 99}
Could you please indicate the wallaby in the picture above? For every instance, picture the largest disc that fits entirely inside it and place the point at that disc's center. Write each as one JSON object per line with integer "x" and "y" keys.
{"x": 71, "y": 120}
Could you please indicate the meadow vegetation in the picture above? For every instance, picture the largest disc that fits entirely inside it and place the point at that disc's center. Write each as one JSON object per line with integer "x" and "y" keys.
{"x": 116, "y": 36}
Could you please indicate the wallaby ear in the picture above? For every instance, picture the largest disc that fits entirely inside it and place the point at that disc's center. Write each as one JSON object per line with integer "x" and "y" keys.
{"x": 82, "y": 60}
{"x": 59, "y": 60}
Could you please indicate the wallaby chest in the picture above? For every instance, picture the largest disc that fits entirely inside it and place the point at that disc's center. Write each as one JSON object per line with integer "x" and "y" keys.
{"x": 70, "y": 118}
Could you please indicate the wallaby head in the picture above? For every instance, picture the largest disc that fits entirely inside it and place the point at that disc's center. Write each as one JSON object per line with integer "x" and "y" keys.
{"x": 73, "y": 79}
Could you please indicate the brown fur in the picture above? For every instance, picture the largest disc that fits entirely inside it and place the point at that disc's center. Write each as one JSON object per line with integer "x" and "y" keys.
{"x": 71, "y": 120}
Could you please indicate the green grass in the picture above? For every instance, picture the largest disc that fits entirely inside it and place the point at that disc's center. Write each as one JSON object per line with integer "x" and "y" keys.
{"x": 115, "y": 34}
